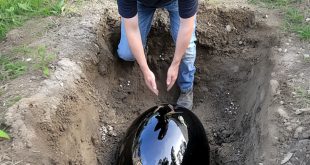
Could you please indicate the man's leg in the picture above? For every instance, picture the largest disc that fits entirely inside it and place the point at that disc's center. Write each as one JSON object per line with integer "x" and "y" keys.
{"x": 145, "y": 17}
{"x": 187, "y": 67}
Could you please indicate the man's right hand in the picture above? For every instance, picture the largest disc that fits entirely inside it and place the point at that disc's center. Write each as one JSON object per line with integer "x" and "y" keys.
{"x": 149, "y": 79}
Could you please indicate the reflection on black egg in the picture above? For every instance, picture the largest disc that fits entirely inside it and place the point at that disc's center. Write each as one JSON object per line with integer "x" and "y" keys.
{"x": 164, "y": 135}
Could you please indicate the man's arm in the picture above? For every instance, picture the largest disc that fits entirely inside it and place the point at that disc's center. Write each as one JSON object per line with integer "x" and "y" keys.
{"x": 186, "y": 30}
{"x": 135, "y": 44}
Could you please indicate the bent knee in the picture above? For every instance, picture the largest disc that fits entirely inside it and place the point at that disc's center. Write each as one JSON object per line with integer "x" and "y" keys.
{"x": 125, "y": 55}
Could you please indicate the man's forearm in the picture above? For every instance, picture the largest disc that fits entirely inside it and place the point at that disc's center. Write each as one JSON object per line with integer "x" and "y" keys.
{"x": 184, "y": 36}
{"x": 135, "y": 41}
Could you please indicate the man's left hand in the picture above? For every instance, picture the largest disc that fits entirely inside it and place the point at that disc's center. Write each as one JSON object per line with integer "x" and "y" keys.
{"x": 172, "y": 75}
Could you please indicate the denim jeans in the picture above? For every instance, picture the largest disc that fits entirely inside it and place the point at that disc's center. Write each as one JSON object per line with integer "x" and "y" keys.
{"x": 145, "y": 16}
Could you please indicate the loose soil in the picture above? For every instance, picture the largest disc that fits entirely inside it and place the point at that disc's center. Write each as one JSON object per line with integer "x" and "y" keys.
{"x": 80, "y": 114}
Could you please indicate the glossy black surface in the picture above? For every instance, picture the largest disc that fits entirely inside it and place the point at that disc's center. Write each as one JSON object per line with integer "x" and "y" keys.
{"x": 165, "y": 136}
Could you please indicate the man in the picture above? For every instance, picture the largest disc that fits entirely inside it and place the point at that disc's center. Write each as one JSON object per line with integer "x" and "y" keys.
{"x": 136, "y": 21}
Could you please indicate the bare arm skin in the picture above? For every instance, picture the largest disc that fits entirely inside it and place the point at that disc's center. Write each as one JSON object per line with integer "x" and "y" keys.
{"x": 184, "y": 36}
{"x": 135, "y": 44}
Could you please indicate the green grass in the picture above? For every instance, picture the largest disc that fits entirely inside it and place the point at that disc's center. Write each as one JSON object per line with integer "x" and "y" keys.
{"x": 295, "y": 22}
{"x": 303, "y": 95}
{"x": 11, "y": 68}
{"x": 40, "y": 56}
{"x": 14, "y": 65}
{"x": 272, "y": 3}
{"x": 294, "y": 16}
{"x": 4, "y": 135}
{"x": 43, "y": 59}
{"x": 14, "y": 12}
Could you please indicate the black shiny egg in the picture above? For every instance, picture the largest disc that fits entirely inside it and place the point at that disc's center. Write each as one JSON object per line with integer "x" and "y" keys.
{"x": 165, "y": 135}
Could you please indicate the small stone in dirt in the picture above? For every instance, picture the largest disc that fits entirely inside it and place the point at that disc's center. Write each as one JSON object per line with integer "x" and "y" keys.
{"x": 33, "y": 78}
{"x": 5, "y": 157}
{"x": 306, "y": 135}
{"x": 110, "y": 128}
{"x": 274, "y": 85}
{"x": 265, "y": 16}
{"x": 287, "y": 158}
{"x": 282, "y": 113}
{"x": 228, "y": 28}
{"x": 297, "y": 132}
{"x": 102, "y": 69}
{"x": 240, "y": 42}
{"x": 94, "y": 140}
{"x": 280, "y": 50}
{"x": 307, "y": 19}
{"x": 281, "y": 102}
{"x": 285, "y": 50}
{"x": 28, "y": 145}
{"x": 306, "y": 56}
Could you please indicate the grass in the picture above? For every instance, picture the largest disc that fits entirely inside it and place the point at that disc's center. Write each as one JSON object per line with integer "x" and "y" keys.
{"x": 4, "y": 135}
{"x": 14, "y": 65}
{"x": 294, "y": 16}
{"x": 40, "y": 56}
{"x": 10, "y": 68}
{"x": 43, "y": 59}
{"x": 303, "y": 95}
{"x": 272, "y": 3}
{"x": 14, "y": 13}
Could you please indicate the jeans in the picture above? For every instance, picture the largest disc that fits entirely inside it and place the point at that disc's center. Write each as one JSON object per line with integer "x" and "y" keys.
{"x": 145, "y": 16}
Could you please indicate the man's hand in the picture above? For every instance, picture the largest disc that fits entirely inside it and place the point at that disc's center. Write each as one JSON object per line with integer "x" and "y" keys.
{"x": 172, "y": 75}
{"x": 150, "y": 82}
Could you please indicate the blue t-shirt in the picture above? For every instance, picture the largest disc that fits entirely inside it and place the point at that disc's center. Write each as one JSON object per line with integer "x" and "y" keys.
{"x": 128, "y": 8}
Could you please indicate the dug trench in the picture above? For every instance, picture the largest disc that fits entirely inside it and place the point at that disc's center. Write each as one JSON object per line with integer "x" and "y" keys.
{"x": 231, "y": 92}
{"x": 231, "y": 83}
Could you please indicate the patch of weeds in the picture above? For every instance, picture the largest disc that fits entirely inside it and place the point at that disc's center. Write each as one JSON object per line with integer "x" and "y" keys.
{"x": 294, "y": 15}
{"x": 303, "y": 95}
{"x": 304, "y": 32}
{"x": 4, "y": 135}
{"x": 43, "y": 59}
{"x": 295, "y": 22}
{"x": 11, "y": 68}
{"x": 40, "y": 57}
{"x": 12, "y": 101}
{"x": 272, "y": 3}
{"x": 14, "y": 12}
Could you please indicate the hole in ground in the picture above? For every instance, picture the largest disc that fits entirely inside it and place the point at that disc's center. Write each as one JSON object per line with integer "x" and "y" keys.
{"x": 230, "y": 93}
{"x": 231, "y": 82}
